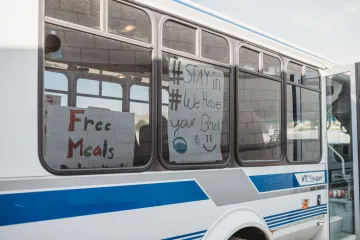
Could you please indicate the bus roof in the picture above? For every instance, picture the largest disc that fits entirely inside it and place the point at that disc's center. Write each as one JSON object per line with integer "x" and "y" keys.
{"x": 195, "y": 13}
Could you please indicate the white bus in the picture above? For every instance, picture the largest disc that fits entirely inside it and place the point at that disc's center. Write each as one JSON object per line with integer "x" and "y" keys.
{"x": 161, "y": 119}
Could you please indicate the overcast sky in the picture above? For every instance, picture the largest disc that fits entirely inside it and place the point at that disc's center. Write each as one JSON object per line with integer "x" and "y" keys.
{"x": 330, "y": 28}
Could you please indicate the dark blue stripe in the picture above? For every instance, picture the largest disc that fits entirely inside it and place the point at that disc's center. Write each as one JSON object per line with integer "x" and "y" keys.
{"x": 195, "y": 237}
{"x": 271, "y": 222}
{"x": 313, "y": 208}
{"x": 280, "y": 181}
{"x": 185, "y": 235}
{"x": 248, "y": 29}
{"x": 296, "y": 220}
{"x": 41, "y": 206}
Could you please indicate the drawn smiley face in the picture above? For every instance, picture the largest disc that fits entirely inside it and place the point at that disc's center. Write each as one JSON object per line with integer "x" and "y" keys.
{"x": 208, "y": 144}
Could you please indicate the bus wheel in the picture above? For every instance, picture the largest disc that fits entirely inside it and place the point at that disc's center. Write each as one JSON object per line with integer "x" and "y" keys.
{"x": 249, "y": 233}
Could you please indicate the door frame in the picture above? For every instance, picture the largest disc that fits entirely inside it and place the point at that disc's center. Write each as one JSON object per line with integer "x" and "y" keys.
{"x": 354, "y": 70}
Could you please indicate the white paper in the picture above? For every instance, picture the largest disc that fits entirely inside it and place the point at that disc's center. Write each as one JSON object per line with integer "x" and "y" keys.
{"x": 196, "y": 95}
{"x": 106, "y": 141}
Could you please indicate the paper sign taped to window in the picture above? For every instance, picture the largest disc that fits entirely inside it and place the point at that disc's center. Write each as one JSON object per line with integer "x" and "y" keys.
{"x": 196, "y": 95}
{"x": 88, "y": 138}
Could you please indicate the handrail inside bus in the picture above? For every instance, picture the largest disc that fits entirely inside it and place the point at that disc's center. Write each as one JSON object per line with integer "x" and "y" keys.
{"x": 342, "y": 159}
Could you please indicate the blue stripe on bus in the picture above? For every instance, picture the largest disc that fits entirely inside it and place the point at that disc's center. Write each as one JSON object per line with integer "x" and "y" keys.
{"x": 271, "y": 219}
{"x": 286, "y": 218}
{"x": 247, "y": 28}
{"x": 281, "y": 181}
{"x": 289, "y": 217}
{"x": 56, "y": 204}
{"x": 297, "y": 219}
{"x": 294, "y": 211}
{"x": 188, "y": 236}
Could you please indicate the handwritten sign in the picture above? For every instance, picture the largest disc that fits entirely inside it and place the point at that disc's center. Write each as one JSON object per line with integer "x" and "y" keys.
{"x": 195, "y": 111}
{"x": 89, "y": 137}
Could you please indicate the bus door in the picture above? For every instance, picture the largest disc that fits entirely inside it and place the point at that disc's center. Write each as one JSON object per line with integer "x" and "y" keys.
{"x": 342, "y": 101}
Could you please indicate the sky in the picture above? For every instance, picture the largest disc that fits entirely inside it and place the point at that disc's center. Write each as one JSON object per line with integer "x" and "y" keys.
{"x": 330, "y": 28}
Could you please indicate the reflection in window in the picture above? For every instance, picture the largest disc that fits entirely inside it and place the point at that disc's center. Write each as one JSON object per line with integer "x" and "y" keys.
{"x": 56, "y": 88}
{"x": 138, "y": 92}
{"x": 85, "y": 102}
{"x": 196, "y": 128}
{"x": 294, "y": 72}
{"x": 129, "y": 22}
{"x": 179, "y": 37}
{"x": 249, "y": 59}
{"x": 271, "y": 66}
{"x": 97, "y": 131}
{"x": 109, "y": 89}
{"x": 259, "y": 118}
{"x": 82, "y": 12}
{"x": 214, "y": 47}
{"x": 312, "y": 78}
{"x": 303, "y": 125}
{"x": 88, "y": 86}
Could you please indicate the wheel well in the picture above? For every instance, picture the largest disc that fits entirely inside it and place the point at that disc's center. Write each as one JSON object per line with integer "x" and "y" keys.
{"x": 249, "y": 233}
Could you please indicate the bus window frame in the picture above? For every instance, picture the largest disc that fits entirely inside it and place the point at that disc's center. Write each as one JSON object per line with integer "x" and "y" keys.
{"x": 201, "y": 30}
{"x": 319, "y": 91}
{"x": 260, "y": 73}
{"x": 192, "y": 57}
{"x": 102, "y": 32}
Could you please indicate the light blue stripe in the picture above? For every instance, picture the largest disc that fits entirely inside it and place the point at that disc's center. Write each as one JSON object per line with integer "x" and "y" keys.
{"x": 296, "y": 220}
{"x": 246, "y": 28}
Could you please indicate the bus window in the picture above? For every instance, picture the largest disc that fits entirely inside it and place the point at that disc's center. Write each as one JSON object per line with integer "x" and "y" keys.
{"x": 129, "y": 21}
{"x": 97, "y": 130}
{"x": 294, "y": 72}
{"x": 312, "y": 78}
{"x": 82, "y": 12}
{"x": 88, "y": 86}
{"x": 196, "y": 128}
{"x": 259, "y": 118}
{"x": 165, "y": 103}
{"x": 214, "y": 47}
{"x": 271, "y": 66}
{"x": 109, "y": 99}
{"x": 249, "y": 59}
{"x": 56, "y": 88}
{"x": 109, "y": 89}
{"x": 179, "y": 37}
{"x": 303, "y": 125}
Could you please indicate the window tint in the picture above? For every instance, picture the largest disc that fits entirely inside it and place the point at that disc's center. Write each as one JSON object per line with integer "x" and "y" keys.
{"x": 249, "y": 59}
{"x": 179, "y": 37}
{"x": 303, "y": 124}
{"x": 82, "y": 12}
{"x": 294, "y": 72}
{"x": 97, "y": 130}
{"x": 196, "y": 128}
{"x": 215, "y": 47}
{"x": 271, "y": 66}
{"x": 129, "y": 22}
{"x": 259, "y": 118}
{"x": 312, "y": 78}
